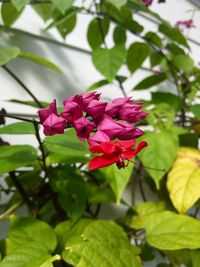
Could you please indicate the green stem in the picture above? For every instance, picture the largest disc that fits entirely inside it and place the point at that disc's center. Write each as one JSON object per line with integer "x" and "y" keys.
{"x": 12, "y": 74}
{"x": 16, "y": 118}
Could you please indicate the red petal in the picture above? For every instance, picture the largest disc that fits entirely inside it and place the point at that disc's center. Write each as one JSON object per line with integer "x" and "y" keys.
{"x": 101, "y": 161}
{"x": 105, "y": 148}
{"x": 128, "y": 144}
{"x": 140, "y": 146}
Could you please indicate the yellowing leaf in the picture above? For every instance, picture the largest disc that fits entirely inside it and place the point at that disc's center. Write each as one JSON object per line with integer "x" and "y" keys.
{"x": 184, "y": 179}
{"x": 167, "y": 230}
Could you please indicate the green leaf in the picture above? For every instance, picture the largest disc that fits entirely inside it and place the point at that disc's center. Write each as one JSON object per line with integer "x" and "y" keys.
{"x": 155, "y": 58}
{"x": 118, "y": 3}
{"x": 170, "y": 231}
{"x": 160, "y": 153}
{"x": 174, "y": 101}
{"x": 175, "y": 49}
{"x": 29, "y": 103}
{"x": 117, "y": 179}
{"x": 18, "y": 128}
{"x": 110, "y": 243}
{"x": 184, "y": 179}
{"x": 29, "y": 255}
{"x": 109, "y": 61}
{"x": 15, "y": 156}
{"x": 119, "y": 35}
{"x": 173, "y": 34}
{"x": 44, "y": 10}
{"x": 70, "y": 187}
{"x": 62, "y": 230}
{"x": 151, "y": 81}
{"x": 161, "y": 116}
{"x": 63, "y": 5}
{"x": 25, "y": 230}
{"x": 39, "y": 60}
{"x": 183, "y": 63}
{"x": 97, "y": 31}
{"x": 195, "y": 257}
{"x": 97, "y": 85}
{"x": 137, "y": 53}
{"x": 19, "y": 4}
{"x": 9, "y": 14}
{"x": 189, "y": 139}
{"x": 153, "y": 38}
{"x": 61, "y": 22}
{"x": 195, "y": 109}
{"x": 143, "y": 210}
{"x": 7, "y": 53}
{"x": 67, "y": 148}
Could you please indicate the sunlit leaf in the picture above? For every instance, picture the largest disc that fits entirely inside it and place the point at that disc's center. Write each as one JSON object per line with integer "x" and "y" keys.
{"x": 169, "y": 231}
{"x": 117, "y": 179}
{"x": 24, "y": 230}
{"x": 101, "y": 243}
{"x": 184, "y": 179}
{"x": 160, "y": 154}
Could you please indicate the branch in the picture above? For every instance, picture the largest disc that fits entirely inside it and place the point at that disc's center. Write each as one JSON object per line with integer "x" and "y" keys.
{"x": 17, "y": 118}
{"x": 22, "y": 191}
{"x": 22, "y": 85}
{"x": 40, "y": 146}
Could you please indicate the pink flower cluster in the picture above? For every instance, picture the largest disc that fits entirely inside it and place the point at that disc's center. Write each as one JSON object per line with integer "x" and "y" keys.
{"x": 93, "y": 119}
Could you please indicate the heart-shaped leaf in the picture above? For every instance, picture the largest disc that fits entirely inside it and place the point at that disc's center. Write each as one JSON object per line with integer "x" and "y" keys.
{"x": 108, "y": 61}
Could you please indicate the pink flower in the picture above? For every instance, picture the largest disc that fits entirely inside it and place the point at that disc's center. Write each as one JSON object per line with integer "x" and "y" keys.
{"x": 96, "y": 109}
{"x": 44, "y": 113}
{"x": 131, "y": 114}
{"x": 87, "y": 98}
{"x": 54, "y": 125}
{"x": 76, "y": 99}
{"x": 112, "y": 108}
{"x": 83, "y": 127}
{"x": 119, "y": 152}
{"x": 120, "y": 130}
{"x": 72, "y": 111}
{"x": 98, "y": 138}
{"x": 128, "y": 132}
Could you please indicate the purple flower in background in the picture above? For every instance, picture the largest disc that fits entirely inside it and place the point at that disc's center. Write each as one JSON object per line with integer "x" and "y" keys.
{"x": 185, "y": 23}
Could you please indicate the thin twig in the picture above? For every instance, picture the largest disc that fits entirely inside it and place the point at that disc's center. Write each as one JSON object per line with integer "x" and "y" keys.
{"x": 11, "y": 210}
{"x": 22, "y": 191}
{"x": 37, "y": 134}
{"x": 17, "y": 118}
{"x": 22, "y": 85}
